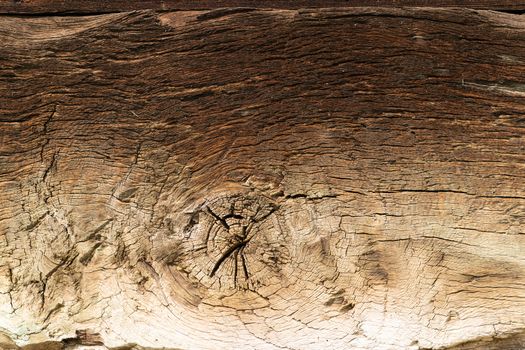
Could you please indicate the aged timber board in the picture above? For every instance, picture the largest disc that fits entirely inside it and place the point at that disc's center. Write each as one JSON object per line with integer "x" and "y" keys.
{"x": 263, "y": 179}
{"x": 72, "y": 7}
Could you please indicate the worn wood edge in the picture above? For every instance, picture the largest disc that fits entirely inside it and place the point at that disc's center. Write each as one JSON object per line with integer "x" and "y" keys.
{"x": 514, "y": 341}
{"x": 45, "y": 7}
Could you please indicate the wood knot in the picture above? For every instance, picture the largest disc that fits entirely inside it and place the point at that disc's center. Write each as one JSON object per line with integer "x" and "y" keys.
{"x": 235, "y": 242}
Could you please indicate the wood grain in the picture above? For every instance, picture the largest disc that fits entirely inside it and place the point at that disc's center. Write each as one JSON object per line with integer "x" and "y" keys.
{"x": 97, "y": 7}
{"x": 263, "y": 179}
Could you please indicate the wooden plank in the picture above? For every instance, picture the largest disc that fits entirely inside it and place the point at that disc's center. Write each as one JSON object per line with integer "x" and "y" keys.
{"x": 97, "y": 6}
{"x": 263, "y": 179}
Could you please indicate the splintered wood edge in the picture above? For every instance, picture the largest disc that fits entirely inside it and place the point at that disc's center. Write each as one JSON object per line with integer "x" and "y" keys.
{"x": 49, "y": 7}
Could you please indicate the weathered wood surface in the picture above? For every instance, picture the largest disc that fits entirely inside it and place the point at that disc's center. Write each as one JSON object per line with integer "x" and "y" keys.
{"x": 33, "y": 7}
{"x": 234, "y": 179}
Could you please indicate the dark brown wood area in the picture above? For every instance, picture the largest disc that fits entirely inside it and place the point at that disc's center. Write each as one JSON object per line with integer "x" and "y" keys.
{"x": 95, "y": 6}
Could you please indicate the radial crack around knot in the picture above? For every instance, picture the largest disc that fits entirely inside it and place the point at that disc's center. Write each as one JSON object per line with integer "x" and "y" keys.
{"x": 235, "y": 243}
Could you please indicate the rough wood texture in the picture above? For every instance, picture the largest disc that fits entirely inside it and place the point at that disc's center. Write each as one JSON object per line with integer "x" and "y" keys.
{"x": 234, "y": 179}
{"x": 96, "y": 6}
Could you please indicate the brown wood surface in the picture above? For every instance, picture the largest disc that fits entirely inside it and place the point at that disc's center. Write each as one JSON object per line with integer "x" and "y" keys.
{"x": 97, "y": 6}
{"x": 263, "y": 179}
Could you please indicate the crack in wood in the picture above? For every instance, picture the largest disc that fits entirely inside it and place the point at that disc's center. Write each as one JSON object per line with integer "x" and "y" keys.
{"x": 226, "y": 255}
{"x": 228, "y": 234}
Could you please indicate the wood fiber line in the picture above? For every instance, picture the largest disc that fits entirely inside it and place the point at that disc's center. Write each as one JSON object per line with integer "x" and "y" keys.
{"x": 71, "y": 7}
{"x": 263, "y": 179}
